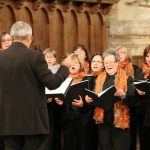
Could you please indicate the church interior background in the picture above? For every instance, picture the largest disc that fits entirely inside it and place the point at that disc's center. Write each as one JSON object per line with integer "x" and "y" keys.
{"x": 97, "y": 24}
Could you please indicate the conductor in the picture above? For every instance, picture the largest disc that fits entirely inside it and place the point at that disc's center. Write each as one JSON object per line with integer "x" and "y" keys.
{"x": 23, "y": 76}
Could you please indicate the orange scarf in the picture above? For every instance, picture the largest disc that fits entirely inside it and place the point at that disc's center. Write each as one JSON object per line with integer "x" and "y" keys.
{"x": 128, "y": 67}
{"x": 146, "y": 70}
{"x": 96, "y": 73}
{"x": 121, "y": 111}
{"x": 77, "y": 77}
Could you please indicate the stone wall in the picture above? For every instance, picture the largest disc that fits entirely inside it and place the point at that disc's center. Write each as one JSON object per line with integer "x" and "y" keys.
{"x": 128, "y": 23}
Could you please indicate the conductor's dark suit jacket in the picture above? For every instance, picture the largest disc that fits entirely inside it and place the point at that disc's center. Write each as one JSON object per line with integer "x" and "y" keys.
{"x": 23, "y": 76}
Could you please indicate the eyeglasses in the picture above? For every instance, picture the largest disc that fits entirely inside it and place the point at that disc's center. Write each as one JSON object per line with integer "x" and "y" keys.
{"x": 76, "y": 63}
{"x": 6, "y": 40}
{"x": 47, "y": 57}
{"x": 109, "y": 62}
{"x": 94, "y": 61}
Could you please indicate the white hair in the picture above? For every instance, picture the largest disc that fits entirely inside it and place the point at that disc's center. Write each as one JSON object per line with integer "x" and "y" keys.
{"x": 20, "y": 30}
{"x": 111, "y": 51}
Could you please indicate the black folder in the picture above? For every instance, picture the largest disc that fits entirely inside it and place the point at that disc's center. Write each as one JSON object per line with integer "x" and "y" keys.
{"x": 104, "y": 99}
{"x": 61, "y": 91}
{"x": 143, "y": 85}
{"x": 78, "y": 89}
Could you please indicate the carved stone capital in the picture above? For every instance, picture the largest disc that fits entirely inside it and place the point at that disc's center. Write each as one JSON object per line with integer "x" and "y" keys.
{"x": 19, "y": 3}
{"x": 107, "y": 9}
{"x": 67, "y": 6}
{"x": 2, "y": 3}
{"x": 52, "y": 6}
{"x": 95, "y": 8}
{"x": 37, "y": 4}
{"x": 81, "y": 7}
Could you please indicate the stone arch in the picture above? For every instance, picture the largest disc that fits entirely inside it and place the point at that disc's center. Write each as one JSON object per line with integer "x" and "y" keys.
{"x": 84, "y": 29}
{"x": 5, "y": 24}
{"x": 97, "y": 33}
{"x": 41, "y": 28}
{"x": 25, "y": 14}
{"x": 57, "y": 32}
{"x": 71, "y": 30}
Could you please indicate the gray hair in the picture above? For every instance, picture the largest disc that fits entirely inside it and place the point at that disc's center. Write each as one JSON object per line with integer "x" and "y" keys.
{"x": 128, "y": 54}
{"x": 20, "y": 30}
{"x": 113, "y": 52}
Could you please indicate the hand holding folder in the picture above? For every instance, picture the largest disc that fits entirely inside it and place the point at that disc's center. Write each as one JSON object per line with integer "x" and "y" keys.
{"x": 77, "y": 89}
{"x": 104, "y": 99}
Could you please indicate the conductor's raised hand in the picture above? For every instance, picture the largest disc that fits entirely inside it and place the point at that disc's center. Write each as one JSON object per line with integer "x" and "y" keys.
{"x": 67, "y": 61}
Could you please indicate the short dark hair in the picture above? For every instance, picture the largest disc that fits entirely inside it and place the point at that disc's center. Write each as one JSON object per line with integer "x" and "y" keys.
{"x": 146, "y": 51}
{"x": 87, "y": 53}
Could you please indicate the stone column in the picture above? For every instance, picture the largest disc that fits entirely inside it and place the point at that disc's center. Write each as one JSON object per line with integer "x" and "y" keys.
{"x": 129, "y": 25}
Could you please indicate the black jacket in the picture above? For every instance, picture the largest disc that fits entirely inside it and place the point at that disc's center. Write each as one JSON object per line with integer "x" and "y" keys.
{"x": 23, "y": 76}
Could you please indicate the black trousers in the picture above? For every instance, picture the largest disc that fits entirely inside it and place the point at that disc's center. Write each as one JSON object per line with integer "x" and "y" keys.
{"x": 113, "y": 138}
{"x": 91, "y": 136}
{"x": 75, "y": 136}
{"x": 145, "y": 142}
{"x": 55, "y": 126}
{"x": 133, "y": 127}
{"x": 26, "y": 142}
{"x": 2, "y": 146}
{"x": 137, "y": 115}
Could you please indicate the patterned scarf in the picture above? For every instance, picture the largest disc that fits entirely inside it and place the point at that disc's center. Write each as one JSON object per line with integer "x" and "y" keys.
{"x": 146, "y": 70}
{"x": 128, "y": 67}
{"x": 121, "y": 111}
